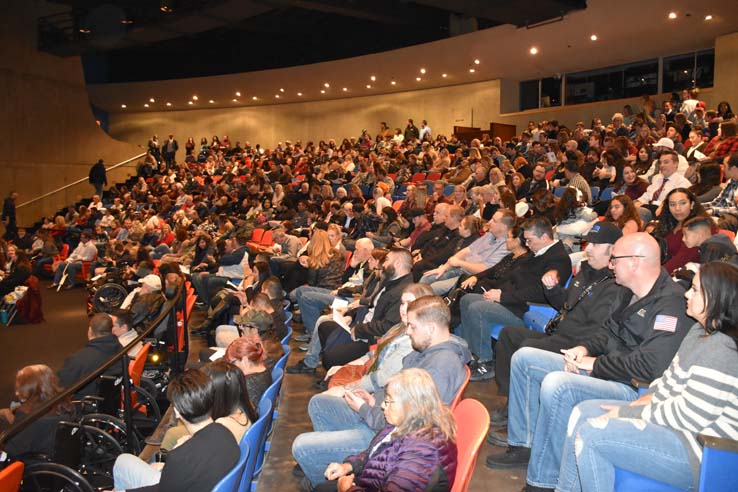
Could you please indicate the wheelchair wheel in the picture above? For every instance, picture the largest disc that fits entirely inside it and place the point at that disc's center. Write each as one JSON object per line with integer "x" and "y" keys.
{"x": 99, "y": 451}
{"x": 53, "y": 477}
{"x": 109, "y": 297}
{"x": 115, "y": 427}
{"x": 146, "y": 413}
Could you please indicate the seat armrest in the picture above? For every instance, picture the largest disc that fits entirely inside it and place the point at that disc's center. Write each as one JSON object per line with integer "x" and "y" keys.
{"x": 719, "y": 443}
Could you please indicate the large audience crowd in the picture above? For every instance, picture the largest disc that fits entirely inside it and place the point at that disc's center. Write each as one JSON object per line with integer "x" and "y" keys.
{"x": 400, "y": 252}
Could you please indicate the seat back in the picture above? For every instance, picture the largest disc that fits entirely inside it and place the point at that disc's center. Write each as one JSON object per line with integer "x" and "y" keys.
{"x": 11, "y": 476}
{"x": 282, "y": 362}
{"x": 595, "y": 191}
{"x": 231, "y": 482}
{"x": 397, "y": 204}
{"x": 273, "y": 389}
{"x": 460, "y": 393}
{"x": 472, "y": 423}
{"x": 257, "y": 234}
{"x": 253, "y": 440}
{"x": 626, "y": 481}
{"x": 286, "y": 339}
{"x": 136, "y": 366}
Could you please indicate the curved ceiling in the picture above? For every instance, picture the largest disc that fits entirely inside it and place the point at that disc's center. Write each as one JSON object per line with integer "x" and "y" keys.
{"x": 627, "y": 31}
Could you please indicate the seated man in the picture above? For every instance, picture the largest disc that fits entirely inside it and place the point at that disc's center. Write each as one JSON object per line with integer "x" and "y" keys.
{"x": 480, "y": 255}
{"x": 639, "y": 343}
{"x": 698, "y": 233}
{"x": 285, "y": 249}
{"x": 582, "y": 307}
{"x": 344, "y": 426}
{"x": 101, "y": 346}
{"x": 198, "y": 464}
{"x": 123, "y": 329}
{"x": 85, "y": 251}
{"x": 230, "y": 268}
{"x": 382, "y": 314}
{"x": 507, "y": 302}
{"x": 438, "y": 250}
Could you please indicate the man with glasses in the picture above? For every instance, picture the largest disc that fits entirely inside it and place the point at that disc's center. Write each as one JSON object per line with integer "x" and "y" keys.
{"x": 505, "y": 300}
{"x": 636, "y": 343}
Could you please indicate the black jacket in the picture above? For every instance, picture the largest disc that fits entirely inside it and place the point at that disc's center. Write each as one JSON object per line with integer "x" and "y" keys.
{"x": 587, "y": 316}
{"x": 523, "y": 284}
{"x": 198, "y": 464}
{"x": 97, "y": 174}
{"x": 85, "y": 361}
{"x": 386, "y": 312}
{"x": 641, "y": 339}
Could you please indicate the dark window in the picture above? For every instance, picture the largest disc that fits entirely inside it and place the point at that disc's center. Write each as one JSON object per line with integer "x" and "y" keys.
{"x": 551, "y": 92}
{"x": 617, "y": 82}
{"x": 688, "y": 70}
{"x": 529, "y": 94}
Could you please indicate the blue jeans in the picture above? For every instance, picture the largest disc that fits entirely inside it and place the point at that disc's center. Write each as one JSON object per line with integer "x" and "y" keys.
{"x": 72, "y": 269}
{"x": 542, "y": 397}
{"x": 443, "y": 283}
{"x": 130, "y": 472}
{"x": 311, "y": 301}
{"x": 206, "y": 285}
{"x": 478, "y": 315}
{"x": 592, "y": 452}
{"x": 338, "y": 432}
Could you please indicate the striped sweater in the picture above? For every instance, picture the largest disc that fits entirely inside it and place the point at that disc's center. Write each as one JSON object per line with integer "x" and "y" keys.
{"x": 697, "y": 394}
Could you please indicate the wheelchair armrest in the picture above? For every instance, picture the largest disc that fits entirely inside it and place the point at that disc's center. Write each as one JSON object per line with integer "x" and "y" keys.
{"x": 719, "y": 443}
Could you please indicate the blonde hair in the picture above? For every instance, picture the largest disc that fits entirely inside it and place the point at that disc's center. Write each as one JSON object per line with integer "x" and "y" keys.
{"x": 414, "y": 391}
{"x": 320, "y": 249}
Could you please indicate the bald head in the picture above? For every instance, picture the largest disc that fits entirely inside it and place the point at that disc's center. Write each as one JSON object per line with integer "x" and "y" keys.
{"x": 636, "y": 262}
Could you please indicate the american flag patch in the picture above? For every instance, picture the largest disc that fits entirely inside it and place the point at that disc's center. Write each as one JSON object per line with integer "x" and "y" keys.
{"x": 665, "y": 323}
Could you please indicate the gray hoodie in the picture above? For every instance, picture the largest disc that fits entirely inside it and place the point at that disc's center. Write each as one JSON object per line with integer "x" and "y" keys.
{"x": 444, "y": 362}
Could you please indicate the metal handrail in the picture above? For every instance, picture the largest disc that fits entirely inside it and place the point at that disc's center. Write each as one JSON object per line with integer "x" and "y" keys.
{"x": 81, "y": 180}
{"x": 177, "y": 303}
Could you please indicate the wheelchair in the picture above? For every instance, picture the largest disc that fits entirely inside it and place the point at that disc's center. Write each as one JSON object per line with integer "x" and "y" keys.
{"x": 107, "y": 292}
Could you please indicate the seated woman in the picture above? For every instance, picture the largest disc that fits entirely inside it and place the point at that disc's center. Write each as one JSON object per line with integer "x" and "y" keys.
{"x": 696, "y": 395}
{"x": 415, "y": 451}
{"x": 232, "y": 406}
{"x": 623, "y": 213}
{"x": 574, "y": 218}
{"x": 201, "y": 461}
{"x": 19, "y": 272}
{"x": 324, "y": 263}
{"x": 389, "y": 229}
{"x": 680, "y": 205}
{"x": 34, "y": 386}
{"x": 248, "y": 354}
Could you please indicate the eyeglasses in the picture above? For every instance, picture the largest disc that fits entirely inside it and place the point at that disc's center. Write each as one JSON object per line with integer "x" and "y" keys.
{"x": 387, "y": 402}
{"x": 613, "y": 259}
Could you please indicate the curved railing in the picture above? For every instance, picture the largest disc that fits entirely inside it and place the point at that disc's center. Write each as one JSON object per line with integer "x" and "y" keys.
{"x": 171, "y": 306}
{"x": 81, "y": 180}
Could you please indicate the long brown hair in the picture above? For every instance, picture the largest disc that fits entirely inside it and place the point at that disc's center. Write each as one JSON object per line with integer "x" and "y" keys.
{"x": 630, "y": 212}
{"x": 35, "y": 385}
{"x": 320, "y": 250}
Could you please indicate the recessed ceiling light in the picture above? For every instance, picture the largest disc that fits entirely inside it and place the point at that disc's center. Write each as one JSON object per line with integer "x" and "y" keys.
{"x": 345, "y": 89}
{"x": 393, "y": 83}
{"x": 672, "y": 15}
{"x": 477, "y": 62}
{"x": 281, "y": 89}
{"x": 123, "y": 106}
{"x": 84, "y": 30}
{"x": 368, "y": 86}
{"x": 322, "y": 91}
{"x": 276, "y": 95}
{"x": 211, "y": 101}
{"x": 299, "y": 94}
{"x": 444, "y": 75}
{"x": 708, "y": 17}
{"x": 471, "y": 70}
{"x": 534, "y": 51}
{"x": 373, "y": 78}
{"x": 326, "y": 85}
{"x": 146, "y": 105}
{"x": 234, "y": 100}
{"x": 254, "y": 98}
{"x": 190, "y": 103}
{"x": 169, "y": 104}
{"x": 127, "y": 22}
{"x": 418, "y": 79}
{"x": 685, "y": 72}
{"x": 422, "y": 70}
{"x": 593, "y": 37}
{"x": 152, "y": 100}
{"x": 194, "y": 98}
{"x": 238, "y": 94}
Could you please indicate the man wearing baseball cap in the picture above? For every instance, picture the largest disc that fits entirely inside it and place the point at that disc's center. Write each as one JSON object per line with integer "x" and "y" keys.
{"x": 661, "y": 184}
{"x": 578, "y": 319}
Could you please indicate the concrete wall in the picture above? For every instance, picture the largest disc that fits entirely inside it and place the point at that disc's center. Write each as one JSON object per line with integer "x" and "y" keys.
{"x": 441, "y": 107}
{"x": 50, "y": 137}
{"x": 726, "y": 69}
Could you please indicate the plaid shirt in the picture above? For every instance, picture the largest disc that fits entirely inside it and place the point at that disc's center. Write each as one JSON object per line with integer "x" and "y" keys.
{"x": 721, "y": 148}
